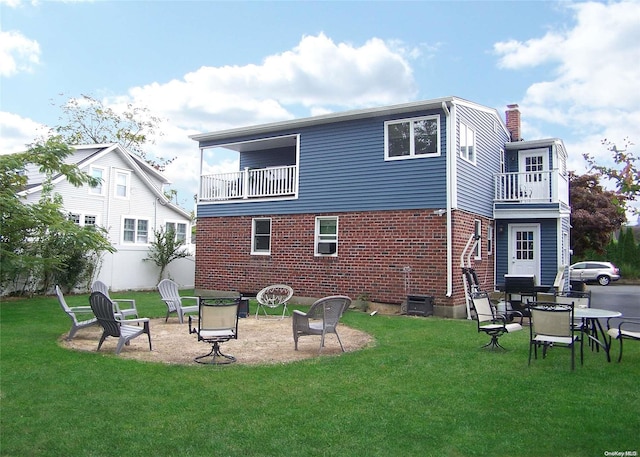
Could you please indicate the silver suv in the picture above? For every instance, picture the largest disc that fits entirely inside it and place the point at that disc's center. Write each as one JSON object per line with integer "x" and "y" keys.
{"x": 591, "y": 271}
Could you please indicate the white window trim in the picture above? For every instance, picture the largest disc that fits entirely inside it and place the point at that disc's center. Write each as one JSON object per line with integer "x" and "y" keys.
{"x": 103, "y": 185}
{"x": 490, "y": 240}
{"x": 127, "y": 174}
{"x": 253, "y": 235}
{"x": 412, "y": 154}
{"x": 176, "y": 223}
{"x": 135, "y": 234}
{"x": 465, "y": 156}
{"x": 317, "y": 240}
{"x": 83, "y": 216}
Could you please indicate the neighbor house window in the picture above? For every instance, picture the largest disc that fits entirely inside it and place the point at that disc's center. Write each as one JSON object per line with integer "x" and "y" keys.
{"x": 261, "y": 236}
{"x": 411, "y": 138}
{"x": 135, "y": 231}
{"x": 123, "y": 184}
{"x": 83, "y": 220}
{"x": 478, "y": 232}
{"x": 467, "y": 143}
{"x": 97, "y": 173}
{"x": 326, "y": 236}
{"x": 179, "y": 230}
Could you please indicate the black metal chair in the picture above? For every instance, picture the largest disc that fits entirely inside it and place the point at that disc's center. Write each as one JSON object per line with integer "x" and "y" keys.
{"x": 623, "y": 328}
{"x": 490, "y": 321}
{"x": 217, "y": 323}
{"x": 552, "y": 326}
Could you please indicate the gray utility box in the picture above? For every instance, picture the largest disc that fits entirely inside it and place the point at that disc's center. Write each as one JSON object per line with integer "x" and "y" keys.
{"x": 420, "y": 305}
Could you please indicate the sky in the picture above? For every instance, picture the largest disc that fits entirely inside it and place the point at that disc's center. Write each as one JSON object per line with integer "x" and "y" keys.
{"x": 202, "y": 66}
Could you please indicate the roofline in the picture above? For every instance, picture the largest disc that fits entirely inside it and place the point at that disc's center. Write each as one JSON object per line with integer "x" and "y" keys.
{"x": 334, "y": 117}
{"x": 544, "y": 142}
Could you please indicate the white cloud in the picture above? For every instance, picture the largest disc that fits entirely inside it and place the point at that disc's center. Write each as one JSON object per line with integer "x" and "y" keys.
{"x": 17, "y": 53}
{"x": 317, "y": 76}
{"x": 17, "y": 132}
{"x": 592, "y": 86}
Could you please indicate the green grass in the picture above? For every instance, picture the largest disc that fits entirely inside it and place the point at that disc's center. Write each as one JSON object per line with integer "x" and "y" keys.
{"x": 425, "y": 388}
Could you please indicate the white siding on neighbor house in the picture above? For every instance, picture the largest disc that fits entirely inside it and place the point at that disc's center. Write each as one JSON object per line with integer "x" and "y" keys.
{"x": 125, "y": 269}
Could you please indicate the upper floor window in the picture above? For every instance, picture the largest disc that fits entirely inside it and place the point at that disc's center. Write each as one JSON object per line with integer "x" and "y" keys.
{"x": 123, "y": 184}
{"x": 135, "y": 231}
{"x": 97, "y": 173}
{"x": 326, "y": 236}
{"x": 179, "y": 230}
{"x": 261, "y": 236}
{"x": 467, "y": 143}
{"x": 411, "y": 138}
{"x": 503, "y": 164}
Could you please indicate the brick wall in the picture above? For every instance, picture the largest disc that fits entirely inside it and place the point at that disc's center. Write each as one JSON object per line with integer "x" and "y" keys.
{"x": 375, "y": 252}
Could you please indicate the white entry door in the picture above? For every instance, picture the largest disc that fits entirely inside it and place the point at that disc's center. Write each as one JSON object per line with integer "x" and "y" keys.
{"x": 534, "y": 183}
{"x": 524, "y": 250}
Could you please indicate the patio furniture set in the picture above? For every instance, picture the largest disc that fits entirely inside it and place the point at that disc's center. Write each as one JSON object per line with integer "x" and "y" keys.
{"x": 555, "y": 320}
{"x": 212, "y": 317}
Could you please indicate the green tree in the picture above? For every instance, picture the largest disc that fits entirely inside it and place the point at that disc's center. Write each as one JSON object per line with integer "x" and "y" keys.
{"x": 37, "y": 239}
{"x": 86, "y": 120}
{"x": 625, "y": 174}
{"x": 595, "y": 216}
{"x": 165, "y": 248}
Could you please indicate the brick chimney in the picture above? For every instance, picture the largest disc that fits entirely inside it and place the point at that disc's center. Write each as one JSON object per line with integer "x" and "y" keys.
{"x": 513, "y": 121}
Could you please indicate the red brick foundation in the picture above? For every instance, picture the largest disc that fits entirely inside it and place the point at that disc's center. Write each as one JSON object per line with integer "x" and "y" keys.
{"x": 384, "y": 255}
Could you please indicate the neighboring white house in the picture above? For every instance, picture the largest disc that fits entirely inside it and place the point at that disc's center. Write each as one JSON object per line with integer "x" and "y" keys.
{"x": 130, "y": 205}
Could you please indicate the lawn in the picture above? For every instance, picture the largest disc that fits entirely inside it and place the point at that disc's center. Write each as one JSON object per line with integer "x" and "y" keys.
{"x": 425, "y": 388}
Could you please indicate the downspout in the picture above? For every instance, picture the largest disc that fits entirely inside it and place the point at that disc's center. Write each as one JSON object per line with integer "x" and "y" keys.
{"x": 449, "y": 177}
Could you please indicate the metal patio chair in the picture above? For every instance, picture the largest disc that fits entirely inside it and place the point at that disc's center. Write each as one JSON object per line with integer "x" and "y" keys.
{"x": 272, "y": 297}
{"x": 490, "y": 321}
{"x": 552, "y": 326}
{"x": 217, "y": 323}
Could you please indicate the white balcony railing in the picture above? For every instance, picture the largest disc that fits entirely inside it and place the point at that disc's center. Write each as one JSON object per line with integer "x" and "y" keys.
{"x": 249, "y": 183}
{"x": 531, "y": 187}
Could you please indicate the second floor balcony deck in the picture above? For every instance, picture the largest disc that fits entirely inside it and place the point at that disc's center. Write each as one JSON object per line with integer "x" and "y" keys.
{"x": 531, "y": 187}
{"x": 271, "y": 182}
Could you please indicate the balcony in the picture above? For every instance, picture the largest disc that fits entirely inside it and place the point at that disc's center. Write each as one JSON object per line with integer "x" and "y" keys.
{"x": 531, "y": 187}
{"x": 249, "y": 184}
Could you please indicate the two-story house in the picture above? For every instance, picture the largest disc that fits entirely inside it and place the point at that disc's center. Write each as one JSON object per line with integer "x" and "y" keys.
{"x": 380, "y": 203}
{"x": 130, "y": 204}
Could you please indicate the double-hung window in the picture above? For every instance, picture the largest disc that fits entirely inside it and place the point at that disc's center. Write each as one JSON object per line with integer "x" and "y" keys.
{"x": 98, "y": 173}
{"x": 412, "y": 138}
{"x": 467, "y": 143}
{"x": 135, "y": 231}
{"x": 179, "y": 230}
{"x": 123, "y": 184}
{"x": 326, "y": 236}
{"x": 261, "y": 236}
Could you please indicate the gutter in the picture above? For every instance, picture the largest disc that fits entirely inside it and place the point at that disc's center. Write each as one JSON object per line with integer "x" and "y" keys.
{"x": 449, "y": 178}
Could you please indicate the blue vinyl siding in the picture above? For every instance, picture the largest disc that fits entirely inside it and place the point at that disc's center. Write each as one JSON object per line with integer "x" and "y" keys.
{"x": 342, "y": 168}
{"x": 268, "y": 158}
{"x": 475, "y": 181}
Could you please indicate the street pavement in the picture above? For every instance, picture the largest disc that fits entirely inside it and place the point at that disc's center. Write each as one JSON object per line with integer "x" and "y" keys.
{"x": 617, "y": 297}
